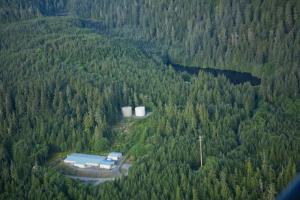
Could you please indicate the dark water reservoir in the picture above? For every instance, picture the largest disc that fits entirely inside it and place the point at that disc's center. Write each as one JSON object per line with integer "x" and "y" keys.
{"x": 233, "y": 76}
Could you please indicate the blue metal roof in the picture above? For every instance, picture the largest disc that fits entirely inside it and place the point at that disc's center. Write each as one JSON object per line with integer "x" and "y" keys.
{"x": 80, "y": 158}
{"x": 107, "y": 162}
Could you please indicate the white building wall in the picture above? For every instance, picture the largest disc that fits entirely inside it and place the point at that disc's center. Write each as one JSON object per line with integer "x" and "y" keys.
{"x": 105, "y": 166}
{"x": 69, "y": 161}
{"x": 80, "y": 165}
{"x": 92, "y": 164}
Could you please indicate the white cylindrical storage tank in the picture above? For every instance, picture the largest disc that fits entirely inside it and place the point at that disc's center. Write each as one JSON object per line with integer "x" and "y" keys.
{"x": 140, "y": 111}
{"x": 127, "y": 111}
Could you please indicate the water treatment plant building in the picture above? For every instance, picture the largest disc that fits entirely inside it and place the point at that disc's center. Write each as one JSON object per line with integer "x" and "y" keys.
{"x": 86, "y": 160}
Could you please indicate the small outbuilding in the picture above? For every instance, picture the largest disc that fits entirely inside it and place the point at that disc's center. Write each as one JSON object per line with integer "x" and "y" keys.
{"x": 116, "y": 156}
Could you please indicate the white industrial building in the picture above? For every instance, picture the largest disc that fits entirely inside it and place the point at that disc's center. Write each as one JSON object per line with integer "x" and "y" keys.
{"x": 140, "y": 111}
{"x": 85, "y": 160}
{"x": 126, "y": 111}
{"x": 116, "y": 156}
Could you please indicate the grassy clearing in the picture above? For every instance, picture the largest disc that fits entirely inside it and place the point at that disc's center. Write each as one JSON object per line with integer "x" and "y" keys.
{"x": 130, "y": 136}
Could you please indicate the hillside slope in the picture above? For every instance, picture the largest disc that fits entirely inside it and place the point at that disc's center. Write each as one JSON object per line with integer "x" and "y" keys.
{"x": 61, "y": 88}
{"x": 243, "y": 35}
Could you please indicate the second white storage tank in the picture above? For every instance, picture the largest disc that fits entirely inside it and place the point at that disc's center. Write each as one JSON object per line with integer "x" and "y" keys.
{"x": 140, "y": 111}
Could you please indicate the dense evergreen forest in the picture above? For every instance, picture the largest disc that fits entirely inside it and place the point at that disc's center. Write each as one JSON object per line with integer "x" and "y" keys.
{"x": 240, "y": 34}
{"x": 67, "y": 66}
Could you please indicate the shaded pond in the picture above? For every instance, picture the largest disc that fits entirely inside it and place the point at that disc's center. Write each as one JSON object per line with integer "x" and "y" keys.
{"x": 234, "y": 77}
